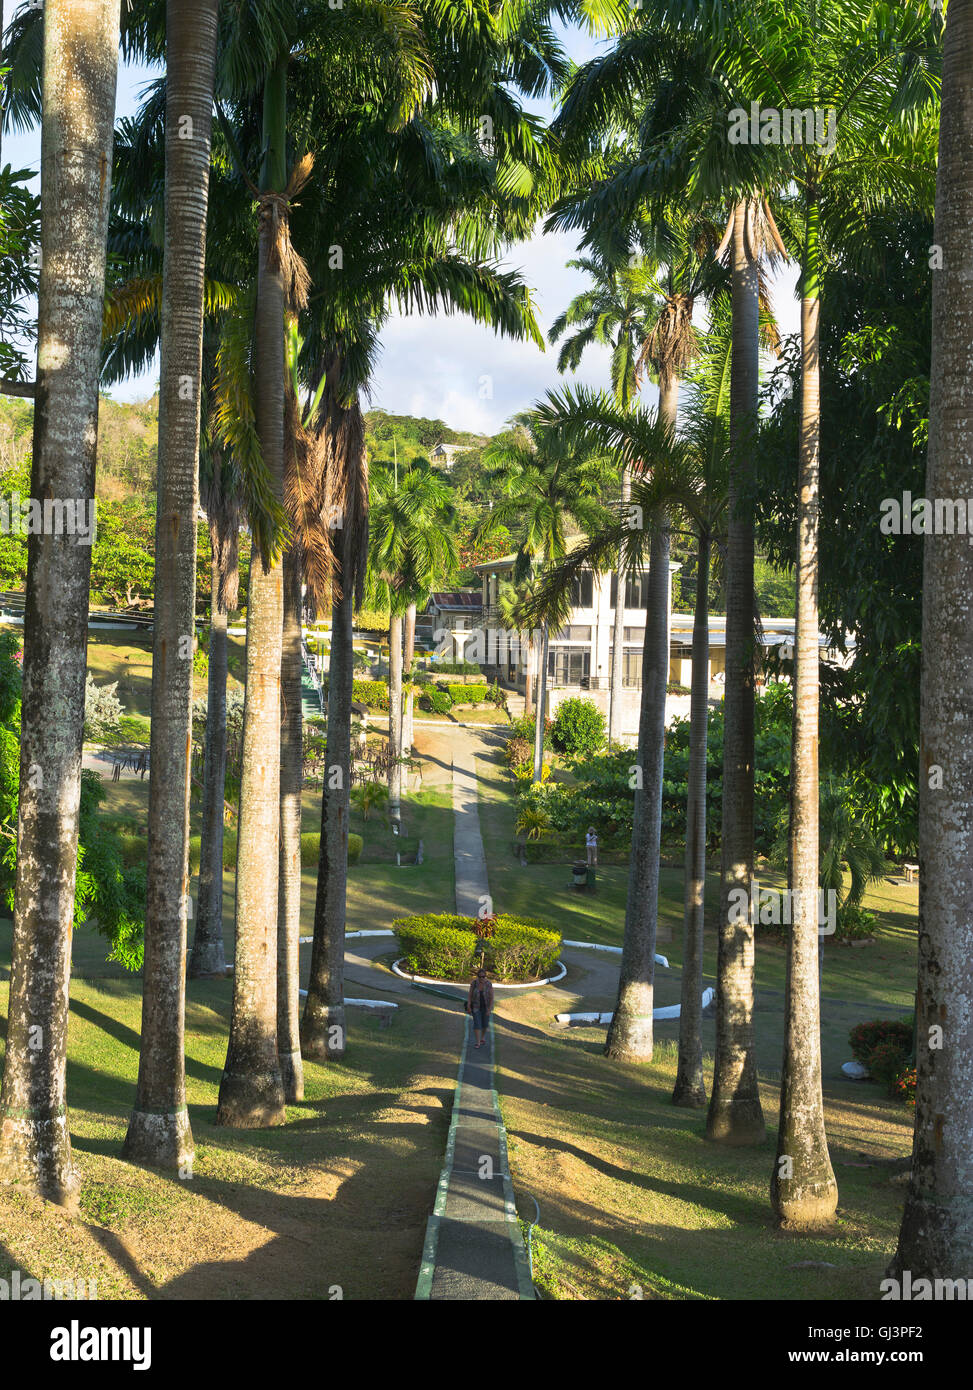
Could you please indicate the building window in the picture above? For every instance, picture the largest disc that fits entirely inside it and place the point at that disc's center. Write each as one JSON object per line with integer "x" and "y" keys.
{"x": 568, "y": 665}
{"x": 583, "y": 590}
{"x": 636, "y": 590}
{"x": 574, "y": 632}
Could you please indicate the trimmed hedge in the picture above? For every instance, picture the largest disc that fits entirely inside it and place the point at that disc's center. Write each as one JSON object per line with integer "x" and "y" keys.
{"x": 311, "y": 848}
{"x": 467, "y": 694}
{"x": 443, "y": 946}
{"x": 375, "y": 694}
{"x": 229, "y": 850}
{"x": 435, "y": 701}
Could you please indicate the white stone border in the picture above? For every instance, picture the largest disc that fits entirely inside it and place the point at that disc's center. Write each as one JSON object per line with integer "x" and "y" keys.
{"x": 613, "y": 950}
{"x": 669, "y": 1011}
{"x": 458, "y": 984}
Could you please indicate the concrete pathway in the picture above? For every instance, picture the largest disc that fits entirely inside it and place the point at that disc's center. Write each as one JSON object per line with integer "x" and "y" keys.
{"x": 474, "y": 1248}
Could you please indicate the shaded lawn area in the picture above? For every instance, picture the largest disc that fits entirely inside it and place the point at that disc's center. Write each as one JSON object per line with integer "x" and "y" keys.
{"x": 338, "y": 1197}
{"x": 127, "y": 659}
{"x": 630, "y": 1192}
{"x": 876, "y": 975}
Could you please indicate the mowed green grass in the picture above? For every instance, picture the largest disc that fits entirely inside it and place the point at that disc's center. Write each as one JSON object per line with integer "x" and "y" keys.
{"x": 633, "y": 1200}
{"x": 336, "y": 1198}
{"x": 128, "y": 660}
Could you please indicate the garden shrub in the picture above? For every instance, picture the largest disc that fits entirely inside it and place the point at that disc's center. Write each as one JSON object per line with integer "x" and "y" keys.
{"x": 467, "y": 694}
{"x": 522, "y": 948}
{"x": 526, "y": 727}
{"x": 866, "y": 1037}
{"x": 355, "y": 843}
{"x": 458, "y": 668}
{"x": 440, "y": 945}
{"x": 579, "y": 728}
{"x": 435, "y": 701}
{"x": 375, "y": 694}
{"x": 885, "y": 1047}
{"x": 518, "y": 751}
{"x": 229, "y": 850}
{"x": 444, "y": 946}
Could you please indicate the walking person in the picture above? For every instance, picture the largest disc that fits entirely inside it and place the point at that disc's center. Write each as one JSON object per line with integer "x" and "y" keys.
{"x": 480, "y": 1004}
{"x": 591, "y": 844}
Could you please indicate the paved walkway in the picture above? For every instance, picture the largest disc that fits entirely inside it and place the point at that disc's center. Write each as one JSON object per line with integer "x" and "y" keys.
{"x": 474, "y": 1248}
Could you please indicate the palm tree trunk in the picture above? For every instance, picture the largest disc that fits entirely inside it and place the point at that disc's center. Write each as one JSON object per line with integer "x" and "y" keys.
{"x": 395, "y": 718}
{"x": 291, "y": 779}
{"x": 803, "y": 1190}
{"x": 79, "y": 74}
{"x": 616, "y": 679}
{"x": 408, "y": 723}
{"x": 529, "y": 675}
{"x": 323, "y": 1022}
{"x": 541, "y": 709}
{"x": 409, "y": 650}
{"x": 159, "y": 1131}
{"x": 208, "y": 957}
{"x": 251, "y": 1091}
{"x": 630, "y": 1031}
{"x": 936, "y": 1239}
{"x": 735, "y": 1115}
{"x": 690, "y": 1088}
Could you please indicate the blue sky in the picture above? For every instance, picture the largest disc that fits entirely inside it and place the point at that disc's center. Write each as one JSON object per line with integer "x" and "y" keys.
{"x": 445, "y": 366}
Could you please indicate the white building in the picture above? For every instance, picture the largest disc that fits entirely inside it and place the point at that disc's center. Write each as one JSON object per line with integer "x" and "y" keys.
{"x": 580, "y": 654}
{"x": 444, "y": 455}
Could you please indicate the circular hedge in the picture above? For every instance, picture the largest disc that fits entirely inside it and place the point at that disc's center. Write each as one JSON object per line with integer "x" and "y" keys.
{"x": 444, "y": 946}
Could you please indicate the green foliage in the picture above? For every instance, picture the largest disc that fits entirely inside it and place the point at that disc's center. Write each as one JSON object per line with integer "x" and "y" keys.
{"x": 467, "y": 694}
{"x": 372, "y": 620}
{"x": 526, "y": 727}
{"x": 579, "y": 728}
{"x": 436, "y": 701}
{"x": 457, "y": 668}
{"x": 109, "y": 895}
{"x": 443, "y": 946}
{"x": 355, "y": 845}
{"x": 374, "y": 694}
{"x": 369, "y": 797}
{"x": 229, "y": 850}
{"x": 102, "y": 709}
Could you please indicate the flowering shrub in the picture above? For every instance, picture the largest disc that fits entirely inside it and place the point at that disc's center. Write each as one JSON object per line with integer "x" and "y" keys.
{"x": 885, "y": 1046}
{"x": 904, "y": 1086}
{"x": 866, "y": 1037}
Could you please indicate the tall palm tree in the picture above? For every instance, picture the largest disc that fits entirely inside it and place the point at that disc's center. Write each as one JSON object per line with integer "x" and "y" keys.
{"x": 547, "y": 487}
{"x": 618, "y": 310}
{"x": 510, "y": 600}
{"x": 646, "y": 444}
{"x": 411, "y": 545}
{"x": 79, "y": 79}
{"x": 221, "y": 502}
{"x": 876, "y": 78}
{"x": 676, "y": 153}
{"x": 159, "y": 1131}
{"x": 936, "y": 1238}
{"x": 251, "y": 1088}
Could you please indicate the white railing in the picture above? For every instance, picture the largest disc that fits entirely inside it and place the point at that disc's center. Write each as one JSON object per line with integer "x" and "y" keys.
{"x": 310, "y": 666}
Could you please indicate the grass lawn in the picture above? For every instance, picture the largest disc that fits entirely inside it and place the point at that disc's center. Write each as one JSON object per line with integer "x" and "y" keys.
{"x": 630, "y": 1192}
{"x": 128, "y": 660}
{"x": 338, "y": 1196}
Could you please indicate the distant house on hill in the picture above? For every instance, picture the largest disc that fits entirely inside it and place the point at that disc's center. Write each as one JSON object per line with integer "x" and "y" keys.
{"x": 444, "y": 455}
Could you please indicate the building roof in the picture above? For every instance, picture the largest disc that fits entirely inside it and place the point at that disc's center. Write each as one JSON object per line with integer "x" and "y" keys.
{"x": 448, "y": 599}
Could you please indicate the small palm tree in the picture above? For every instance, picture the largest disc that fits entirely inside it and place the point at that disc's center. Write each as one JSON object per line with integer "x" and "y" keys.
{"x": 549, "y": 486}
{"x": 411, "y": 545}
{"x": 848, "y": 848}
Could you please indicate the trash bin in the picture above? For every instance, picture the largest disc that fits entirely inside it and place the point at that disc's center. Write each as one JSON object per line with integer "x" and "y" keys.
{"x": 579, "y": 875}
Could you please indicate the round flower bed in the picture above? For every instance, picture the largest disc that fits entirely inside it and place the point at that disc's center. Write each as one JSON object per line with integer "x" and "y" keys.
{"x": 446, "y": 946}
